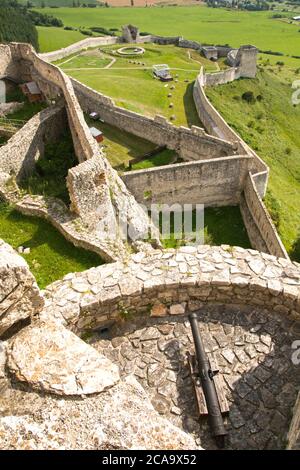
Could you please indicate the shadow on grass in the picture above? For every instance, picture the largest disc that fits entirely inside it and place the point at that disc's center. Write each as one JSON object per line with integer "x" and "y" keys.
{"x": 295, "y": 252}
{"x": 222, "y": 226}
{"x": 190, "y": 108}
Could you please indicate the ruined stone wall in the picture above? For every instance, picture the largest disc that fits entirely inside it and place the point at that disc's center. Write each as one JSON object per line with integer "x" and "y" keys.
{"x": 261, "y": 220}
{"x": 78, "y": 46}
{"x": 20, "y": 297}
{"x": 189, "y": 44}
{"x": 191, "y": 144}
{"x": 217, "y": 182}
{"x": 19, "y": 155}
{"x": 85, "y": 148}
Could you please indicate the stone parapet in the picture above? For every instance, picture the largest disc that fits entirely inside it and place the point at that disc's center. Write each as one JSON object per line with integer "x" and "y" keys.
{"x": 175, "y": 281}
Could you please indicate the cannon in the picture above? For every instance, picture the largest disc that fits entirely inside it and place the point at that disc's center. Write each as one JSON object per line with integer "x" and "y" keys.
{"x": 203, "y": 370}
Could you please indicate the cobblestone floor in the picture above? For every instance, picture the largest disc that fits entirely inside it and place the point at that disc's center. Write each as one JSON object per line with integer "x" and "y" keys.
{"x": 253, "y": 352}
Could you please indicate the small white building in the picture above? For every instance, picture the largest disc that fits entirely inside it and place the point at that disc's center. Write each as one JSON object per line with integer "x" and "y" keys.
{"x": 296, "y": 18}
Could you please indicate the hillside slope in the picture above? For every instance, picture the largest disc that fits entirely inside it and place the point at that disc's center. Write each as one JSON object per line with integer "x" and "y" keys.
{"x": 271, "y": 126}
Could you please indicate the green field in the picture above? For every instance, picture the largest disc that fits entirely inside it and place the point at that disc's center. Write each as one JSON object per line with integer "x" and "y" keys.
{"x": 51, "y": 255}
{"x": 207, "y": 25}
{"x": 271, "y": 127}
{"x": 125, "y": 76}
{"x": 51, "y": 39}
{"x": 222, "y": 226}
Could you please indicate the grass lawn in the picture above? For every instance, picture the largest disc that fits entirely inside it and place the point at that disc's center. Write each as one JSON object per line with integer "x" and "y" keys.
{"x": 203, "y": 24}
{"x": 124, "y": 78}
{"x": 120, "y": 146}
{"x": 51, "y": 39}
{"x": 222, "y": 225}
{"x": 51, "y": 255}
{"x": 271, "y": 127}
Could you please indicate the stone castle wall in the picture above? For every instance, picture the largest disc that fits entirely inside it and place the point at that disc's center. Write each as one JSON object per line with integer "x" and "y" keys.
{"x": 261, "y": 230}
{"x": 261, "y": 220}
{"x": 176, "y": 281}
{"x": 79, "y": 46}
{"x": 215, "y": 182}
{"x": 191, "y": 144}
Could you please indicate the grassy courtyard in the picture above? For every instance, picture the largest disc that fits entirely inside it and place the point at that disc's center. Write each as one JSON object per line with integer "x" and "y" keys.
{"x": 127, "y": 75}
{"x": 51, "y": 255}
{"x": 120, "y": 147}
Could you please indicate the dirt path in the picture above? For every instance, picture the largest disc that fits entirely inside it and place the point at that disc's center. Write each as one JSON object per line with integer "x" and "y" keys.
{"x": 110, "y": 64}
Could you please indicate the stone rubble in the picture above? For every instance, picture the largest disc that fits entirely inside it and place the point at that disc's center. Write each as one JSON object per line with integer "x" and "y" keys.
{"x": 51, "y": 358}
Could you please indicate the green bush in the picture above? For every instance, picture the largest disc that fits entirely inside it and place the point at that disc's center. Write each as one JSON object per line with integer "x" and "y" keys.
{"x": 249, "y": 97}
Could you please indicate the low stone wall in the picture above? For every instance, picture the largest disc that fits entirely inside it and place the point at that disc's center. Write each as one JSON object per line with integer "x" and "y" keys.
{"x": 261, "y": 220}
{"x": 164, "y": 40}
{"x": 261, "y": 230}
{"x": 20, "y": 297}
{"x": 215, "y": 182}
{"x": 189, "y": 44}
{"x": 78, "y": 46}
{"x": 174, "y": 282}
{"x": 190, "y": 144}
{"x": 19, "y": 156}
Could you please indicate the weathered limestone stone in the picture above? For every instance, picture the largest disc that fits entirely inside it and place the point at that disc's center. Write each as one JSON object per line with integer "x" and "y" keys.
{"x": 20, "y": 297}
{"x": 158, "y": 310}
{"x": 59, "y": 362}
{"x": 177, "y": 309}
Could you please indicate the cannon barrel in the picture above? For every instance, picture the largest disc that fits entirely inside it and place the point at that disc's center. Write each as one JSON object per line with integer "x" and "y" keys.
{"x": 207, "y": 382}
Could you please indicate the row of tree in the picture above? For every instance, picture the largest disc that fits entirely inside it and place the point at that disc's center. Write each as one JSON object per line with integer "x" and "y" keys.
{"x": 251, "y": 5}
